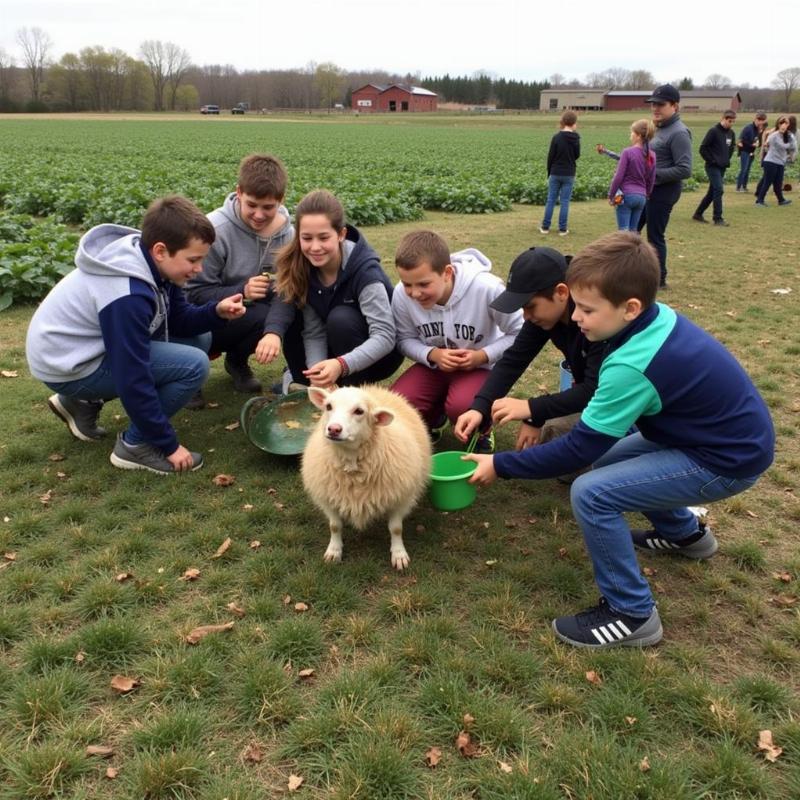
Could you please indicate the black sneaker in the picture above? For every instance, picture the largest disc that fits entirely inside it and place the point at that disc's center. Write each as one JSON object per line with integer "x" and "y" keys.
{"x": 197, "y": 402}
{"x": 145, "y": 456}
{"x": 485, "y": 444}
{"x": 784, "y": 202}
{"x": 80, "y": 416}
{"x": 722, "y": 223}
{"x": 699, "y": 218}
{"x": 600, "y": 627}
{"x": 436, "y": 431}
{"x": 700, "y": 545}
{"x": 243, "y": 378}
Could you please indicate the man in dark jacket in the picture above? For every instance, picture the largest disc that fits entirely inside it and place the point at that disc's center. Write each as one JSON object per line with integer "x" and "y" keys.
{"x": 748, "y": 143}
{"x": 716, "y": 150}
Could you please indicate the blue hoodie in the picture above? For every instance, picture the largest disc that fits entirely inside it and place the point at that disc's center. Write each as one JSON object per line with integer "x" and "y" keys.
{"x": 109, "y": 308}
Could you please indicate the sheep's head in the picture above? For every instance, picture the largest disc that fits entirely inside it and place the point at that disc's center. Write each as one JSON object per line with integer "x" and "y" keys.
{"x": 348, "y": 414}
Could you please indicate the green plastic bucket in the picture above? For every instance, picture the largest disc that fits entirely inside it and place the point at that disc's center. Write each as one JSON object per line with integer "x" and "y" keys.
{"x": 449, "y": 489}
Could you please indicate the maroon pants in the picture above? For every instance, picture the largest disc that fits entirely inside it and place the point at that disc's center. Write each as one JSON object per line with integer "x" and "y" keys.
{"x": 433, "y": 392}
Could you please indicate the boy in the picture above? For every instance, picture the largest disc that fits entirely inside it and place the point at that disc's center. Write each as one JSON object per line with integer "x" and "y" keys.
{"x": 445, "y": 323}
{"x": 108, "y": 330}
{"x": 536, "y": 285}
{"x": 250, "y": 228}
{"x": 704, "y": 434}
{"x": 565, "y": 150}
{"x": 748, "y": 143}
{"x": 716, "y": 150}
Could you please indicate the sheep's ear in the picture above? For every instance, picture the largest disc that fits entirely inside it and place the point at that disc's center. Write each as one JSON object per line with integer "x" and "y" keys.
{"x": 318, "y": 396}
{"x": 382, "y": 416}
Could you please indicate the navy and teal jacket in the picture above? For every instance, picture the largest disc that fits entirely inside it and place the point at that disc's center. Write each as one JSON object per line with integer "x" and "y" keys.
{"x": 680, "y": 387}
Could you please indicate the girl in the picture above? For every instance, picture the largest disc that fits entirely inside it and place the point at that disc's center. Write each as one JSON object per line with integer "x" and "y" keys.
{"x": 635, "y": 176}
{"x": 332, "y": 274}
{"x": 781, "y": 147}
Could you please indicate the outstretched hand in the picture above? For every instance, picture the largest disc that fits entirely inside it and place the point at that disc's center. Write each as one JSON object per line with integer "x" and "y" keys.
{"x": 231, "y": 307}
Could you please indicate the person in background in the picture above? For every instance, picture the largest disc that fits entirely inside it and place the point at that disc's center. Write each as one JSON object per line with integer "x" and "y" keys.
{"x": 635, "y": 177}
{"x": 781, "y": 147}
{"x": 565, "y": 150}
{"x": 748, "y": 144}
{"x": 716, "y": 150}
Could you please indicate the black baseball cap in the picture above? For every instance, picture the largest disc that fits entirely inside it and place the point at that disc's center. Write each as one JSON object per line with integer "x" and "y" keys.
{"x": 664, "y": 94}
{"x": 533, "y": 271}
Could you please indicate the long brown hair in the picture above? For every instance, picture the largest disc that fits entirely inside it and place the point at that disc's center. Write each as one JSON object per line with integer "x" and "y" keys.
{"x": 291, "y": 266}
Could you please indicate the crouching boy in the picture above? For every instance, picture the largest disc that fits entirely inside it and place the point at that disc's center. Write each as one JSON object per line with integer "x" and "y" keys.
{"x": 109, "y": 328}
{"x": 704, "y": 434}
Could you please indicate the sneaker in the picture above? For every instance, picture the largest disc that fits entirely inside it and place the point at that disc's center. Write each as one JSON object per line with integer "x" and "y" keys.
{"x": 563, "y": 233}
{"x": 699, "y": 218}
{"x": 243, "y": 378}
{"x": 544, "y": 231}
{"x": 785, "y": 203}
{"x": 600, "y": 627}
{"x": 722, "y": 223}
{"x": 197, "y": 402}
{"x": 80, "y": 416}
{"x": 761, "y": 203}
{"x": 663, "y": 285}
{"x": 699, "y": 545}
{"x": 436, "y": 431}
{"x": 145, "y": 456}
{"x": 485, "y": 444}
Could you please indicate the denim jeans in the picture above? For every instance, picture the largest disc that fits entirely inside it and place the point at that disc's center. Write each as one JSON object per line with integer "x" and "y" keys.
{"x": 656, "y": 218}
{"x": 745, "y": 162}
{"x": 773, "y": 176}
{"x": 629, "y": 211}
{"x": 659, "y": 482}
{"x": 560, "y": 187}
{"x": 179, "y": 369}
{"x": 716, "y": 176}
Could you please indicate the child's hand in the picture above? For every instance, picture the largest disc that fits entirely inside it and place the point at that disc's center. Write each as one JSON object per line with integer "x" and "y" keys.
{"x": 507, "y": 409}
{"x": 181, "y": 459}
{"x": 484, "y": 474}
{"x": 528, "y": 436}
{"x": 324, "y": 373}
{"x": 268, "y": 348}
{"x": 446, "y": 360}
{"x": 473, "y": 359}
{"x": 466, "y": 424}
{"x": 257, "y": 287}
{"x": 601, "y": 148}
{"x": 231, "y": 307}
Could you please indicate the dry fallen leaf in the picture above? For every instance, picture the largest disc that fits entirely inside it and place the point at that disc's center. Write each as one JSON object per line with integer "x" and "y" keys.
{"x": 433, "y": 757}
{"x": 195, "y": 635}
{"x": 751, "y": 514}
{"x": 300, "y": 607}
{"x": 783, "y": 600}
{"x": 466, "y": 746}
{"x": 191, "y": 574}
{"x": 766, "y": 745}
{"x": 80, "y": 657}
{"x": 9, "y": 373}
{"x": 122, "y": 684}
{"x": 505, "y": 767}
{"x": 631, "y": 720}
{"x": 784, "y": 577}
{"x": 111, "y": 773}
{"x": 232, "y": 427}
{"x": 45, "y": 498}
{"x": 247, "y": 507}
{"x": 295, "y": 782}
{"x": 99, "y": 750}
{"x": 236, "y": 610}
{"x": 10, "y": 556}
{"x": 594, "y": 678}
{"x": 306, "y": 673}
{"x": 287, "y": 598}
{"x": 223, "y": 480}
{"x": 123, "y": 576}
{"x": 644, "y": 764}
{"x": 55, "y": 457}
{"x": 255, "y": 544}
{"x": 253, "y": 753}
{"x": 468, "y": 720}
{"x": 649, "y": 571}
{"x": 221, "y": 550}
{"x": 212, "y": 404}
{"x": 562, "y": 552}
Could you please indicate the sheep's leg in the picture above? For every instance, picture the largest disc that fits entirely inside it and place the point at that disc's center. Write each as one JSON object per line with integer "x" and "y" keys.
{"x": 399, "y": 555}
{"x": 335, "y": 546}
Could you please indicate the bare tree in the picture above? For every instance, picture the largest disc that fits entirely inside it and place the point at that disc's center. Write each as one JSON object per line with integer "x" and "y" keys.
{"x": 68, "y": 76}
{"x": 178, "y": 62}
{"x": 35, "y": 44}
{"x": 717, "y": 81}
{"x": 6, "y": 65}
{"x": 329, "y": 82}
{"x": 556, "y": 80}
{"x": 642, "y": 79}
{"x": 156, "y": 61}
{"x": 786, "y": 81}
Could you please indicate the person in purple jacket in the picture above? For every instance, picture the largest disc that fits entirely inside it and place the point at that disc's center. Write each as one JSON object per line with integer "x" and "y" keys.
{"x": 635, "y": 177}
{"x": 119, "y": 326}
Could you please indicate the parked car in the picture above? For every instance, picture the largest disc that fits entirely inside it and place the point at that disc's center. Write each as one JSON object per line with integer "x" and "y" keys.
{"x": 240, "y": 108}
{"x": 210, "y": 109}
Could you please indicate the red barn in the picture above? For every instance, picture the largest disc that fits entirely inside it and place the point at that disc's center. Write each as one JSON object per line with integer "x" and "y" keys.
{"x": 395, "y": 97}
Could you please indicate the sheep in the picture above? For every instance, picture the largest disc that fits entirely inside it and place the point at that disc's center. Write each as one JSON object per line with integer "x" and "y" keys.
{"x": 367, "y": 458}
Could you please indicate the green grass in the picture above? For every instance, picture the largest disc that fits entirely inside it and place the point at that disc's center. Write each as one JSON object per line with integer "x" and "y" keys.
{"x": 398, "y": 660}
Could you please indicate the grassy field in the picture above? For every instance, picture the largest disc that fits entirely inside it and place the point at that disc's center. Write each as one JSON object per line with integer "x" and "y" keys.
{"x": 92, "y": 559}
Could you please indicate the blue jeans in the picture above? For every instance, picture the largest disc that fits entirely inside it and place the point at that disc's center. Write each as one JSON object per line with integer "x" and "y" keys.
{"x": 558, "y": 186}
{"x": 659, "y": 482}
{"x": 179, "y": 369}
{"x": 716, "y": 176}
{"x": 745, "y": 162}
{"x": 629, "y": 211}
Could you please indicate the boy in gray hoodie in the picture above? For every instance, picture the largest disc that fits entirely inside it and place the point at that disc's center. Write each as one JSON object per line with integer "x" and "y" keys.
{"x": 251, "y": 227}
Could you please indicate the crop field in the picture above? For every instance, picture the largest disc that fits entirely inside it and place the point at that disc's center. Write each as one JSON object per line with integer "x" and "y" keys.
{"x": 352, "y": 681}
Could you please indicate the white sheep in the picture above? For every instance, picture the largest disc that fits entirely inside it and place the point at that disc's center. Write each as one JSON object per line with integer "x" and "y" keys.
{"x": 368, "y": 457}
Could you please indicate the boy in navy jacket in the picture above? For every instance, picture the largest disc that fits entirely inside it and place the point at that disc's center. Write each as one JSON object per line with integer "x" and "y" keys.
{"x": 703, "y": 433}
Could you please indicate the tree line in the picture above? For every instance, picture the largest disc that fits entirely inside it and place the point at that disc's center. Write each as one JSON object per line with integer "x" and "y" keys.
{"x": 163, "y": 78}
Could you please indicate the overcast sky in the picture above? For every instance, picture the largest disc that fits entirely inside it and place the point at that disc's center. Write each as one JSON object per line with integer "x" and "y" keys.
{"x": 521, "y": 39}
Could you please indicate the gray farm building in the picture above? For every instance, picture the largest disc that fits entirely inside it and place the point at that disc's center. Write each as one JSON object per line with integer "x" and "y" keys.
{"x": 557, "y": 100}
